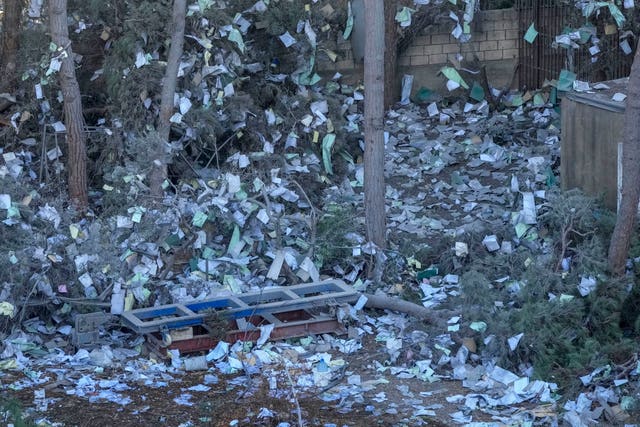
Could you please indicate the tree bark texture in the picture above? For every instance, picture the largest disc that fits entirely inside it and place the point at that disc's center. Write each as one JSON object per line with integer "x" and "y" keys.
{"x": 386, "y": 302}
{"x": 628, "y": 210}
{"x": 9, "y": 43}
{"x": 73, "y": 119}
{"x": 159, "y": 169}
{"x": 391, "y": 85}
{"x": 374, "y": 187}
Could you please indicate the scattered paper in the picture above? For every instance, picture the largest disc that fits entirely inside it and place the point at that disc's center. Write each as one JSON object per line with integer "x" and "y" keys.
{"x": 565, "y": 82}
{"x": 491, "y": 243}
{"x": 453, "y": 75}
{"x": 513, "y": 341}
{"x": 619, "y": 97}
{"x": 587, "y": 285}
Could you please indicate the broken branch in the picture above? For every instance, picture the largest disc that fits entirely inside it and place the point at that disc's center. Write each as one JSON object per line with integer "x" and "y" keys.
{"x": 388, "y": 303}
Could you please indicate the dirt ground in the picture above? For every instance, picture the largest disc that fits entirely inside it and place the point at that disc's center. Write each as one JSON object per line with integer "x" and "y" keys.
{"x": 219, "y": 406}
{"x": 236, "y": 400}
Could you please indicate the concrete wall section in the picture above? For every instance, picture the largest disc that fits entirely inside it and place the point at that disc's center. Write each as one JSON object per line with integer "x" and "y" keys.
{"x": 498, "y": 73}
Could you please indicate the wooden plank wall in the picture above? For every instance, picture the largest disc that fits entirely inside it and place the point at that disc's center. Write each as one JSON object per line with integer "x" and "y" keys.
{"x": 589, "y": 150}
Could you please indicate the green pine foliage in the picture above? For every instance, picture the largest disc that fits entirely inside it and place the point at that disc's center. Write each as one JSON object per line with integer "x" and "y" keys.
{"x": 566, "y": 335}
{"x": 11, "y": 413}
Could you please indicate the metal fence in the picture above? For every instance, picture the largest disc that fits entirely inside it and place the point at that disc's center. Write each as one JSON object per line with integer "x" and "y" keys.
{"x": 539, "y": 61}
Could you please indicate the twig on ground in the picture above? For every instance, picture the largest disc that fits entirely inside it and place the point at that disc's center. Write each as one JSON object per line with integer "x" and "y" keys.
{"x": 278, "y": 240}
{"x": 338, "y": 378}
{"x": 564, "y": 242}
{"x": 295, "y": 396}
{"x": 314, "y": 221}
{"x": 249, "y": 383}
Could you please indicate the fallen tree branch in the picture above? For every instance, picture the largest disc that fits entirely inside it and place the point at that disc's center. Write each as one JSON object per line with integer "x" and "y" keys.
{"x": 395, "y": 304}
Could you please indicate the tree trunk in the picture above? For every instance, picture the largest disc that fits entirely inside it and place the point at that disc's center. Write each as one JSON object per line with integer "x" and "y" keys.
{"x": 628, "y": 211}
{"x": 159, "y": 169}
{"x": 9, "y": 43}
{"x": 374, "y": 123}
{"x": 73, "y": 119}
{"x": 391, "y": 86}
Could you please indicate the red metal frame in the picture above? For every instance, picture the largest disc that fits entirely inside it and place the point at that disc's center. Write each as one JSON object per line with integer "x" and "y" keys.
{"x": 295, "y": 323}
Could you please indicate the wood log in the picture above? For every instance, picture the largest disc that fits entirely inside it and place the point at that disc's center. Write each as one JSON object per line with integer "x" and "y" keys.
{"x": 395, "y": 304}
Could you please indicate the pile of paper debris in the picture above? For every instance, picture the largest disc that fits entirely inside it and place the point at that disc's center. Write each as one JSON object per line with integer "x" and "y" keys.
{"x": 454, "y": 172}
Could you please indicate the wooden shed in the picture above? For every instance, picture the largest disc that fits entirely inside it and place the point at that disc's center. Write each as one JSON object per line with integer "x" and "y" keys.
{"x": 591, "y": 145}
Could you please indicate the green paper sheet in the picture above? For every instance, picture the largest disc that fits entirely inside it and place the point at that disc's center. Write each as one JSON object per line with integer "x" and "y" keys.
{"x": 477, "y": 93}
{"x": 538, "y": 99}
{"x": 565, "y": 82}
{"x": 327, "y": 145}
{"x": 404, "y": 16}
{"x": 531, "y": 34}
{"x": 204, "y": 5}
{"x": 617, "y": 14}
{"x": 236, "y": 37}
{"x": 349, "y": 25}
{"x": 235, "y": 239}
{"x": 452, "y": 74}
{"x": 199, "y": 219}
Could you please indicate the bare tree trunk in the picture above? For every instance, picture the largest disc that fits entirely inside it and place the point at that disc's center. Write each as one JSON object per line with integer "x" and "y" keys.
{"x": 391, "y": 92}
{"x": 628, "y": 211}
{"x": 374, "y": 123}
{"x": 73, "y": 119}
{"x": 159, "y": 169}
{"x": 10, "y": 42}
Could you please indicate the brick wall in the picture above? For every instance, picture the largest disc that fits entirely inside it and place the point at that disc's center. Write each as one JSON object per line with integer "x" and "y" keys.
{"x": 494, "y": 38}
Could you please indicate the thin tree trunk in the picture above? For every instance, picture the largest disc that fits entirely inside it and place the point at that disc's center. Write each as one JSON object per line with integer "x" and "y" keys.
{"x": 628, "y": 211}
{"x": 159, "y": 168}
{"x": 9, "y": 43}
{"x": 73, "y": 119}
{"x": 373, "y": 123}
{"x": 391, "y": 86}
